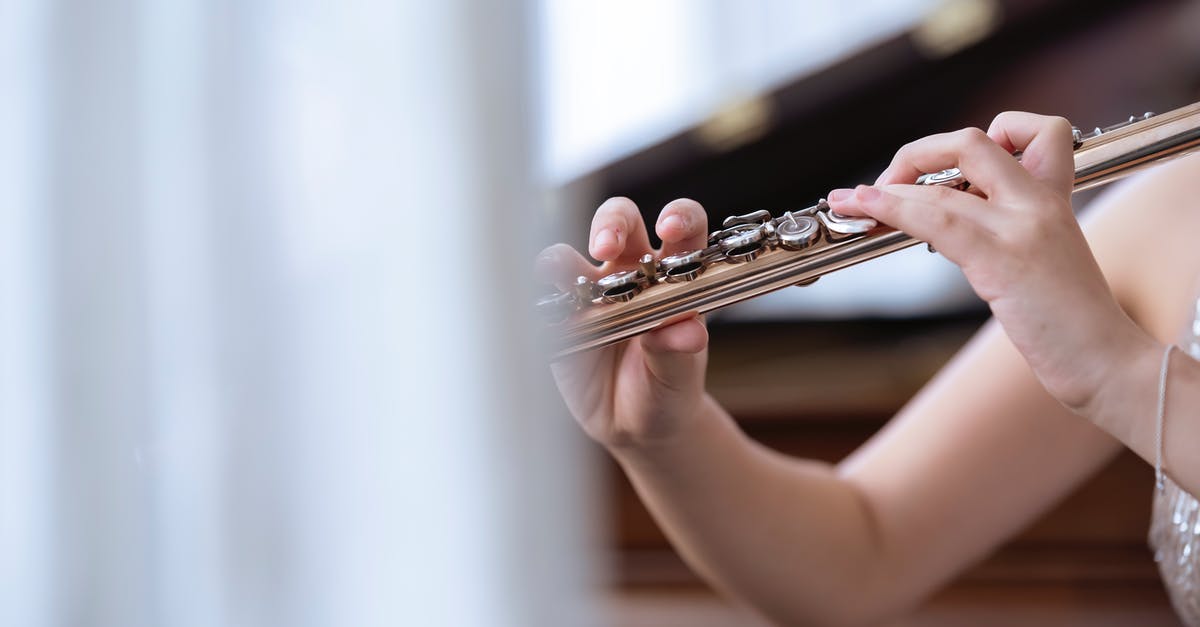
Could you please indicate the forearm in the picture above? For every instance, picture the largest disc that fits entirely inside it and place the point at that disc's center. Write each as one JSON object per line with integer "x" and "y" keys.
{"x": 788, "y": 536}
{"x": 1127, "y": 407}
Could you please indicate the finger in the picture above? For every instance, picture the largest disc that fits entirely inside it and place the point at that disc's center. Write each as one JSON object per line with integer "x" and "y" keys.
{"x": 618, "y": 232}
{"x": 952, "y": 221}
{"x": 673, "y": 353}
{"x": 987, "y": 165}
{"x": 560, "y": 264}
{"x": 842, "y": 200}
{"x": 682, "y": 226}
{"x": 1045, "y": 142}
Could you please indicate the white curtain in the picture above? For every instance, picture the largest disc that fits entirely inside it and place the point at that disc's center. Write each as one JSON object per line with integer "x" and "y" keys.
{"x": 263, "y": 352}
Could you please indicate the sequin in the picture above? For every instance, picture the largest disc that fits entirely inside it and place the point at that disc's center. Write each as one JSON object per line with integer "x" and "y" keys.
{"x": 1177, "y": 549}
{"x": 1175, "y": 532}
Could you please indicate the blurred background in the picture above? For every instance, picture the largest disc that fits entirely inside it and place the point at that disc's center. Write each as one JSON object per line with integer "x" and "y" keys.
{"x": 265, "y": 356}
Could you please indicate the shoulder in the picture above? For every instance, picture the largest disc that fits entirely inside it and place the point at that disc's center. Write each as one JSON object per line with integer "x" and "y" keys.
{"x": 1145, "y": 233}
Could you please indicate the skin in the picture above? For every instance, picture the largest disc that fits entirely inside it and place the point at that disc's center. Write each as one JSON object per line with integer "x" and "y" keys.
{"x": 1047, "y": 392}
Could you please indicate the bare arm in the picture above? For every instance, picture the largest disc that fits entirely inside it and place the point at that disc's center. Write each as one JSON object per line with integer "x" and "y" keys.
{"x": 970, "y": 461}
{"x": 974, "y": 457}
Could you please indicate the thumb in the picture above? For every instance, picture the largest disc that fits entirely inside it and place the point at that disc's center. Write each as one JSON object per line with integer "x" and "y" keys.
{"x": 674, "y": 354}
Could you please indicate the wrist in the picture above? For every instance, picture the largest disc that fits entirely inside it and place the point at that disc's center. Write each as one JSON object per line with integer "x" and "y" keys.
{"x": 687, "y": 437}
{"x": 1126, "y": 383}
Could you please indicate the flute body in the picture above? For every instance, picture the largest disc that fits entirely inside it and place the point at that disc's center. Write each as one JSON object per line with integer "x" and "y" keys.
{"x": 757, "y": 253}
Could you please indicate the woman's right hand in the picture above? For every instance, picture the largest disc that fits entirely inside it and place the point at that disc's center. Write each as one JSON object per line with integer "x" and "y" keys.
{"x": 641, "y": 392}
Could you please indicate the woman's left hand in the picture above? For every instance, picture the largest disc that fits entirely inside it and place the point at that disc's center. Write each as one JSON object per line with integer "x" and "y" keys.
{"x": 1017, "y": 242}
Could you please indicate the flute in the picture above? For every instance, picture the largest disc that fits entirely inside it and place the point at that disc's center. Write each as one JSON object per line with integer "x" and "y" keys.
{"x": 757, "y": 253}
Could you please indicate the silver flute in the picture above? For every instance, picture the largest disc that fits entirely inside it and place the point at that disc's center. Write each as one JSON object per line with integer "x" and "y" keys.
{"x": 756, "y": 253}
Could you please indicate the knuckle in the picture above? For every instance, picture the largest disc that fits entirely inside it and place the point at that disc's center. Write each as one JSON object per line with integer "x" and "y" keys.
{"x": 1005, "y": 120}
{"x": 971, "y": 137}
{"x": 1010, "y": 118}
{"x": 906, "y": 151}
{"x": 1058, "y": 121}
{"x": 1060, "y": 125}
{"x": 1005, "y": 116}
{"x": 1024, "y": 235}
{"x": 903, "y": 160}
{"x": 944, "y": 220}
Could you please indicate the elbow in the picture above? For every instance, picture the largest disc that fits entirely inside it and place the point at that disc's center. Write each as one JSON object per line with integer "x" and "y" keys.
{"x": 872, "y": 585}
{"x": 869, "y": 594}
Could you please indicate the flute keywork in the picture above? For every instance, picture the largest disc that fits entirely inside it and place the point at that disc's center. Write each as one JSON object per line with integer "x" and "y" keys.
{"x": 757, "y": 253}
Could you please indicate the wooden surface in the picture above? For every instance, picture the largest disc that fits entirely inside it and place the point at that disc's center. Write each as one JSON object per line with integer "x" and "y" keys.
{"x": 1083, "y": 563}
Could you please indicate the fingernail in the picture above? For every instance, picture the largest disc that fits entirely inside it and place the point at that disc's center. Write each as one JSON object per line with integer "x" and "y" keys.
{"x": 840, "y": 194}
{"x": 867, "y": 193}
{"x": 605, "y": 238}
{"x": 882, "y": 177}
{"x": 672, "y": 222}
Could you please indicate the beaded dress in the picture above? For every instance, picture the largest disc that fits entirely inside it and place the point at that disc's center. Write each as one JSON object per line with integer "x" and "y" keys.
{"x": 1175, "y": 526}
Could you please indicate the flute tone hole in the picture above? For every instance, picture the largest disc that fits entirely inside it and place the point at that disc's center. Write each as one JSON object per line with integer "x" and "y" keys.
{"x": 686, "y": 272}
{"x": 744, "y": 253}
{"x": 620, "y": 293}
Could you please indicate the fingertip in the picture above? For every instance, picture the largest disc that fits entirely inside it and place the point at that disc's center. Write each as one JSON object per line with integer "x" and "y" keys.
{"x": 560, "y": 264}
{"x": 843, "y": 201}
{"x": 672, "y": 228}
{"x": 839, "y": 195}
{"x": 681, "y": 226}
{"x": 544, "y": 265}
{"x": 606, "y": 245}
{"x": 870, "y": 201}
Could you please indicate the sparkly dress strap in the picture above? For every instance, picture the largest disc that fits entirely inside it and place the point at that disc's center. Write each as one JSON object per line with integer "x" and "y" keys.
{"x": 1175, "y": 527}
{"x": 1175, "y": 539}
